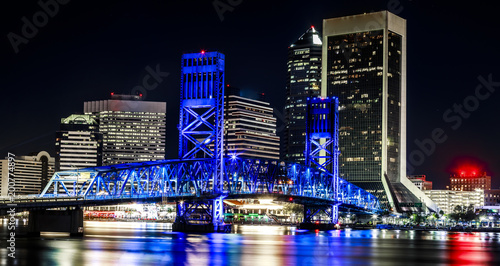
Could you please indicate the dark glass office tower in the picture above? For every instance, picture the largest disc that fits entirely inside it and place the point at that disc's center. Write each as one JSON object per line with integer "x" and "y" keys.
{"x": 303, "y": 80}
{"x": 364, "y": 65}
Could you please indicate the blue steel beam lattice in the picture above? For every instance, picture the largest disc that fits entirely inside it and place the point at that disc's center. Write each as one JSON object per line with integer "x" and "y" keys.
{"x": 192, "y": 177}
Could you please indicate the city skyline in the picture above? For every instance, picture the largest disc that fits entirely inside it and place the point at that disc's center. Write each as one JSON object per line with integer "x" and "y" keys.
{"x": 90, "y": 67}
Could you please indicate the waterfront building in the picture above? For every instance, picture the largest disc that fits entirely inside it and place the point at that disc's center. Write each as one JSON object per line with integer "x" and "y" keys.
{"x": 446, "y": 200}
{"x": 133, "y": 130}
{"x": 303, "y": 81}
{"x": 78, "y": 143}
{"x": 250, "y": 128}
{"x": 31, "y": 173}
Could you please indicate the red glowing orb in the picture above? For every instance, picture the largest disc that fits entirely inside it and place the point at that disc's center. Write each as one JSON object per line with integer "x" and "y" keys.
{"x": 468, "y": 171}
{"x": 467, "y": 167}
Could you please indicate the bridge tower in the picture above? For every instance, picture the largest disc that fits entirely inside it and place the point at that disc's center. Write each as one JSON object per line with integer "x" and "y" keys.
{"x": 201, "y": 123}
{"x": 322, "y": 150}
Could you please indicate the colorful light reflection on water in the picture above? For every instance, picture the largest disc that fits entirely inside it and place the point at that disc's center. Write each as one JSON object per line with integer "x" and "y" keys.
{"x": 118, "y": 243}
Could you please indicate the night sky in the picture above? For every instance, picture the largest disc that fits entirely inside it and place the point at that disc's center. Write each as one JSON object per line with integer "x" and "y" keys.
{"x": 89, "y": 49}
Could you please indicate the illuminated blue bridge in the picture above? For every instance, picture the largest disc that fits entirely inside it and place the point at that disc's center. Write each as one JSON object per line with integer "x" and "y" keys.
{"x": 192, "y": 179}
{"x": 201, "y": 185}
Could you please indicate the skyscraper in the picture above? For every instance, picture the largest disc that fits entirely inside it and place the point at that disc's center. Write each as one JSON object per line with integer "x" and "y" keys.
{"x": 364, "y": 65}
{"x": 303, "y": 80}
{"x": 250, "y": 128}
{"x": 133, "y": 130}
{"x": 78, "y": 143}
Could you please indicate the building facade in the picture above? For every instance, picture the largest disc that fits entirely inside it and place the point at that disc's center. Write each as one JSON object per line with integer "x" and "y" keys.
{"x": 133, "y": 130}
{"x": 250, "y": 128}
{"x": 78, "y": 143}
{"x": 420, "y": 182}
{"x": 448, "y": 199}
{"x": 364, "y": 65}
{"x": 492, "y": 197}
{"x": 31, "y": 173}
{"x": 303, "y": 81}
{"x": 470, "y": 181}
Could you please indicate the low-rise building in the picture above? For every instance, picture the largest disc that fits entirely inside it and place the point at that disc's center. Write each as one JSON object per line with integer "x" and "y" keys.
{"x": 420, "y": 182}
{"x": 448, "y": 199}
{"x": 492, "y": 197}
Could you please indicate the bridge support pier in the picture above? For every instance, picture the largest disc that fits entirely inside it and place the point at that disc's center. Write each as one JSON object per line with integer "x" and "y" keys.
{"x": 70, "y": 220}
{"x": 331, "y": 211}
{"x": 205, "y": 216}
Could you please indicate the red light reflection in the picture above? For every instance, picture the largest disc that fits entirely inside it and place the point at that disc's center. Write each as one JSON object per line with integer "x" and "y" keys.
{"x": 467, "y": 249}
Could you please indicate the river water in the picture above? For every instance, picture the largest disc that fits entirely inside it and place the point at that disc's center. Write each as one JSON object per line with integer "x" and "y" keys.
{"x": 141, "y": 243}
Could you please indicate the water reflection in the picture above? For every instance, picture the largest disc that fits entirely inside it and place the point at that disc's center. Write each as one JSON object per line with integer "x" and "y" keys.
{"x": 120, "y": 243}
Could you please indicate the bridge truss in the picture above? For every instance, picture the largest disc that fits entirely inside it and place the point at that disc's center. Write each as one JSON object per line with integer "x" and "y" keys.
{"x": 176, "y": 179}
